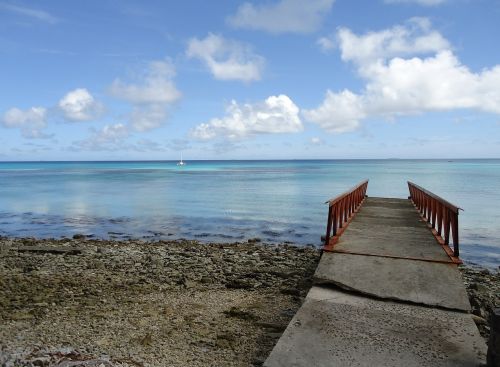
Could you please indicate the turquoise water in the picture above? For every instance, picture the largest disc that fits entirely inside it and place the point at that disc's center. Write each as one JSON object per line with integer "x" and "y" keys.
{"x": 276, "y": 201}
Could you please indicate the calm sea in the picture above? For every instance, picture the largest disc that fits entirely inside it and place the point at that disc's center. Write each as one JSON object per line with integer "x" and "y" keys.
{"x": 276, "y": 201}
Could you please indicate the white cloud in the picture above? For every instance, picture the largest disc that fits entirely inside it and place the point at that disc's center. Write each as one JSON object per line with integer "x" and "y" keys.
{"x": 151, "y": 96}
{"x": 339, "y": 112}
{"x": 285, "y": 16}
{"x": 416, "y": 37}
{"x": 397, "y": 86}
{"x": 34, "y": 116}
{"x": 155, "y": 86}
{"x": 31, "y": 122}
{"x": 418, "y": 2}
{"x": 149, "y": 117}
{"x": 435, "y": 83}
{"x": 226, "y": 59}
{"x": 116, "y": 132}
{"x": 316, "y": 141}
{"x": 79, "y": 105}
{"x": 109, "y": 138}
{"x": 30, "y": 12}
{"x": 326, "y": 44}
{"x": 277, "y": 114}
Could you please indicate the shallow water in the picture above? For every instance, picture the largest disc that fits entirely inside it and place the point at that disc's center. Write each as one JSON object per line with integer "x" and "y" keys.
{"x": 276, "y": 201}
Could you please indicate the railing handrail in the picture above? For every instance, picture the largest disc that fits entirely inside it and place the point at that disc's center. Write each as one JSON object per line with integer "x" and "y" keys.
{"x": 344, "y": 194}
{"x": 441, "y": 216}
{"x": 437, "y": 197}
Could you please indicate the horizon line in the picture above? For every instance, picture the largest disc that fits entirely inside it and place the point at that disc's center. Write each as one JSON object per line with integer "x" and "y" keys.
{"x": 246, "y": 160}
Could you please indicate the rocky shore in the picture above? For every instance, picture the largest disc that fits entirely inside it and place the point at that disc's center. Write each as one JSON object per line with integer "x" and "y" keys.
{"x": 483, "y": 289}
{"x": 107, "y": 303}
{"x": 82, "y": 302}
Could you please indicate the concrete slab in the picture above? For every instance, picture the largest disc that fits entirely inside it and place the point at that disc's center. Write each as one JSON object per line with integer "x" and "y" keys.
{"x": 419, "y": 245}
{"x": 428, "y": 283}
{"x": 382, "y": 211}
{"x": 387, "y": 201}
{"x": 381, "y": 218}
{"x": 333, "y": 328}
{"x": 419, "y": 229}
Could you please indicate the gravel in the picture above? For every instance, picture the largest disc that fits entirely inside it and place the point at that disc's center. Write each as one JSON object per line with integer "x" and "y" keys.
{"x": 77, "y": 302}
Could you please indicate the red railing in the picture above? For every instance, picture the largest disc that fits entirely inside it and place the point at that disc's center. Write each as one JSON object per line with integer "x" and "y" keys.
{"x": 440, "y": 215}
{"x": 341, "y": 210}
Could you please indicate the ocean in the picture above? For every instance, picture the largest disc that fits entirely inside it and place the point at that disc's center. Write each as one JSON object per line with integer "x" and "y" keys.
{"x": 213, "y": 201}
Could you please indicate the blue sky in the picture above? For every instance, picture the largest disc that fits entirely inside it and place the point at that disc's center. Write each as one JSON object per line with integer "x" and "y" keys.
{"x": 109, "y": 79}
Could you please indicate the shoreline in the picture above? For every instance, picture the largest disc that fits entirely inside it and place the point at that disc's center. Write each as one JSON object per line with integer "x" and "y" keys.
{"x": 162, "y": 303}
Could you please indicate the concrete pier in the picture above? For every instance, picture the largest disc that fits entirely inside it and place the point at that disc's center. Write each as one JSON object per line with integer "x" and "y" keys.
{"x": 388, "y": 295}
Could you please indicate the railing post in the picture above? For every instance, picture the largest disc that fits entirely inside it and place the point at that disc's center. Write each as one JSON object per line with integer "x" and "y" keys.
{"x": 343, "y": 213}
{"x": 429, "y": 209}
{"x": 334, "y": 220}
{"x": 454, "y": 233}
{"x": 328, "y": 225}
{"x": 446, "y": 226}
{"x": 434, "y": 209}
{"x": 440, "y": 218}
{"x": 422, "y": 204}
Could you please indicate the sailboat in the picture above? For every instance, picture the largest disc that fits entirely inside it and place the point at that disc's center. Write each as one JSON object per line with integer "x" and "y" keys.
{"x": 181, "y": 163}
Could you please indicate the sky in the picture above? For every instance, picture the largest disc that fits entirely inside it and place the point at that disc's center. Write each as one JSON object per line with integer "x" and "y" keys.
{"x": 274, "y": 79}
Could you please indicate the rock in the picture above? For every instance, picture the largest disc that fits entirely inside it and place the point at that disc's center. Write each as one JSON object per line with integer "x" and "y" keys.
{"x": 290, "y": 291}
{"x": 479, "y": 287}
{"x": 240, "y": 314}
{"x": 225, "y": 340}
{"x": 479, "y": 320}
{"x": 274, "y": 335}
{"x": 147, "y": 340}
{"x": 259, "y": 360}
{"x": 205, "y": 280}
{"x": 240, "y": 284}
{"x": 78, "y": 236}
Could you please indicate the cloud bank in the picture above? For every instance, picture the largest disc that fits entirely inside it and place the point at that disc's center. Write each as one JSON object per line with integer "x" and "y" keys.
{"x": 399, "y": 82}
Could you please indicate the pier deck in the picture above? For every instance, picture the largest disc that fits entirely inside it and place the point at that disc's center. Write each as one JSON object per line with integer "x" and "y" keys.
{"x": 386, "y": 294}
